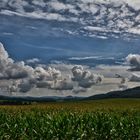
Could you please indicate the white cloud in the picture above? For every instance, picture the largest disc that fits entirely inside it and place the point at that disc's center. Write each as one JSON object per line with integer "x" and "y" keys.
{"x": 56, "y": 5}
{"x": 134, "y": 3}
{"x": 55, "y": 16}
{"x": 87, "y": 13}
{"x": 26, "y": 75}
{"x": 79, "y": 90}
{"x": 25, "y": 85}
{"x": 88, "y": 8}
{"x": 135, "y": 77}
{"x": 39, "y": 3}
{"x": 85, "y": 78}
{"x": 85, "y": 58}
{"x": 34, "y": 60}
{"x": 11, "y": 13}
{"x": 134, "y": 30}
{"x": 134, "y": 60}
{"x": 92, "y": 28}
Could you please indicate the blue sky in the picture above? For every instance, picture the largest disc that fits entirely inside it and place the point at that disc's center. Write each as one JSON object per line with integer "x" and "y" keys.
{"x": 55, "y": 35}
{"x": 70, "y": 28}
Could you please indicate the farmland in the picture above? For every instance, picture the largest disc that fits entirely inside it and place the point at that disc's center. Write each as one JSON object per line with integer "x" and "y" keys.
{"x": 98, "y": 119}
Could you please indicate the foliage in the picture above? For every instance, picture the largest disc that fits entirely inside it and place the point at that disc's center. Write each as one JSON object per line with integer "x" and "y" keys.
{"x": 104, "y": 119}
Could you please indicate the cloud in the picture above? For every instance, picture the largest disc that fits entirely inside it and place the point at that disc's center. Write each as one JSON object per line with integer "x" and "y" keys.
{"x": 44, "y": 84}
{"x": 134, "y": 61}
{"x": 85, "y": 78}
{"x": 4, "y": 55}
{"x": 93, "y": 29}
{"x": 55, "y": 16}
{"x": 59, "y": 5}
{"x": 10, "y": 69}
{"x": 63, "y": 85}
{"x": 78, "y": 90}
{"x": 86, "y": 58}
{"x": 39, "y": 3}
{"x": 135, "y": 4}
{"x": 19, "y": 77}
{"x": 25, "y": 85}
{"x": 91, "y": 15}
{"x": 32, "y": 61}
{"x": 135, "y": 77}
{"x": 25, "y": 77}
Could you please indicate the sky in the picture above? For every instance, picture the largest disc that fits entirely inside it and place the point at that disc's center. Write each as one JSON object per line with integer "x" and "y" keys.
{"x": 69, "y": 47}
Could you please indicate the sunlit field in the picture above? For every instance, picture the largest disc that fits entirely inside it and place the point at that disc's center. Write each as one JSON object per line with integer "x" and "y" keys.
{"x": 84, "y": 120}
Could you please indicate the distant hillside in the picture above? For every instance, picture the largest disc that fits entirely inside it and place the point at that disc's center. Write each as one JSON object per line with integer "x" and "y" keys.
{"x": 25, "y": 100}
{"x": 17, "y": 100}
{"x": 129, "y": 93}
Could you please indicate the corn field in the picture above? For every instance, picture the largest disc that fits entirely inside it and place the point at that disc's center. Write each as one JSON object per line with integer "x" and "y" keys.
{"x": 90, "y": 120}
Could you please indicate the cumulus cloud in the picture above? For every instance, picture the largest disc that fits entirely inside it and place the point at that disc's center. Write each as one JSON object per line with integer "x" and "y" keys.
{"x": 63, "y": 85}
{"x": 25, "y": 85}
{"x": 84, "y": 77}
{"x": 134, "y": 61}
{"x": 25, "y": 77}
{"x": 10, "y": 69}
{"x": 4, "y": 55}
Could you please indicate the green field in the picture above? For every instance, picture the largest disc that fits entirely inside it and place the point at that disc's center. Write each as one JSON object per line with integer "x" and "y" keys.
{"x": 117, "y": 119}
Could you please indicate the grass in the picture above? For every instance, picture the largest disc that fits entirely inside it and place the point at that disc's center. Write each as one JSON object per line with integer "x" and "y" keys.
{"x": 87, "y": 120}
